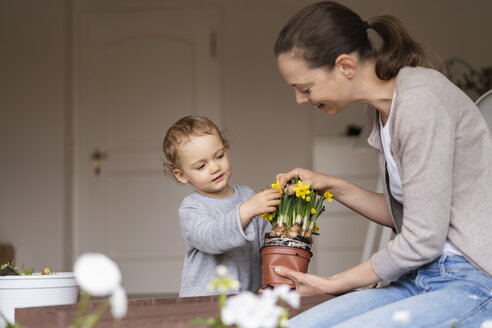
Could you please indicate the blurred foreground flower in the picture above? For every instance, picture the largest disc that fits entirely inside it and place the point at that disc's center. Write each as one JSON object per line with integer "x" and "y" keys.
{"x": 119, "y": 303}
{"x": 283, "y": 293}
{"x": 248, "y": 310}
{"x": 401, "y": 317}
{"x": 222, "y": 282}
{"x": 97, "y": 275}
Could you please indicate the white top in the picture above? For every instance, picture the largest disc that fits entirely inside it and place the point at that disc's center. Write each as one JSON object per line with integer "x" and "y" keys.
{"x": 394, "y": 177}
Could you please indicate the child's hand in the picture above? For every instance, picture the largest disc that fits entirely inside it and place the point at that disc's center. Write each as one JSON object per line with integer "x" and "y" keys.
{"x": 262, "y": 202}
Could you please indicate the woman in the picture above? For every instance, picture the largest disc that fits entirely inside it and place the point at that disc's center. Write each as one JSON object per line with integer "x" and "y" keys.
{"x": 435, "y": 159}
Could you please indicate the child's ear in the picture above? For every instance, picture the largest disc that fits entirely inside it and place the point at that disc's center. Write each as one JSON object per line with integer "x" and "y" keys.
{"x": 180, "y": 176}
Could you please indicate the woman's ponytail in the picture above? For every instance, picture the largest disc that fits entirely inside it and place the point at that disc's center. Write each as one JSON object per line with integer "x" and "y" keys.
{"x": 398, "y": 49}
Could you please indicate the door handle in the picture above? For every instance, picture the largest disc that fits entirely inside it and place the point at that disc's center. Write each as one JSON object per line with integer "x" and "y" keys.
{"x": 97, "y": 156}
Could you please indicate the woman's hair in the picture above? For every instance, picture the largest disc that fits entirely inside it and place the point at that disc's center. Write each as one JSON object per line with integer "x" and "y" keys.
{"x": 182, "y": 131}
{"x": 322, "y": 31}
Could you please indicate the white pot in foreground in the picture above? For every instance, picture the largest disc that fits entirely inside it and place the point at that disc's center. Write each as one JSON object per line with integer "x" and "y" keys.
{"x": 35, "y": 290}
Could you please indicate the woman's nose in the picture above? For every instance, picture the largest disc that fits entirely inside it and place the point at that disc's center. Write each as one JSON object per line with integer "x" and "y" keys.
{"x": 301, "y": 98}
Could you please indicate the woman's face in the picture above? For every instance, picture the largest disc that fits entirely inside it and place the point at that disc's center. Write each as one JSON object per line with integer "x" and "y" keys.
{"x": 329, "y": 90}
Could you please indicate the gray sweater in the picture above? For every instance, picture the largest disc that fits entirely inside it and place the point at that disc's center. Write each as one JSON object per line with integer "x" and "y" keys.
{"x": 443, "y": 150}
{"x": 213, "y": 235}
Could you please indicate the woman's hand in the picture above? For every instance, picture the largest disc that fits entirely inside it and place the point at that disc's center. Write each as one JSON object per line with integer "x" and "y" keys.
{"x": 263, "y": 202}
{"x": 306, "y": 284}
{"x": 369, "y": 204}
{"x": 318, "y": 181}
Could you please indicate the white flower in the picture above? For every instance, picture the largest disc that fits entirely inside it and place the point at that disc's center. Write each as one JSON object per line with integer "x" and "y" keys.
{"x": 250, "y": 311}
{"x": 486, "y": 324}
{"x": 222, "y": 282}
{"x": 401, "y": 317}
{"x": 284, "y": 293}
{"x": 234, "y": 284}
{"x": 97, "y": 274}
{"x": 119, "y": 303}
{"x": 221, "y": 270}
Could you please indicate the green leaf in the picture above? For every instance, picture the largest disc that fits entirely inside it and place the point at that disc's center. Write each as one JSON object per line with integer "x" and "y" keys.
{"x": 9, "y": 324}
{"x": 198, "y": 321}
{"x": 27, "y": 271}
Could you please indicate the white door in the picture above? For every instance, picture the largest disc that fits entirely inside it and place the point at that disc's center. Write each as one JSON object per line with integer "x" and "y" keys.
{"x": 136, "y": 72}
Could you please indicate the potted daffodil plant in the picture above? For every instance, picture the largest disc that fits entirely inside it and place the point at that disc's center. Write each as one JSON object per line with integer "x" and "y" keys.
{"x": 293, "y": 226}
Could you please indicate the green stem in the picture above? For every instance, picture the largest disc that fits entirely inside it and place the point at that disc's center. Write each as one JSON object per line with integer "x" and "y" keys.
{"x": 81, "y": 309}
{"x": 221, "y": 301}
{"x": 96, "y": 315}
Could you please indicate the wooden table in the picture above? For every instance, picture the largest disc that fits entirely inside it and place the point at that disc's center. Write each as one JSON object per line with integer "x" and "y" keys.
{"x": 142, "y": 313}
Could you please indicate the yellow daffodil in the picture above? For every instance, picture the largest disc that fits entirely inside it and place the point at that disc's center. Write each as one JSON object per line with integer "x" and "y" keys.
{"x": 308, "y": 199}
{"x": 315, "y": 228}
{"x": 328, "y": 195}
{"x": 267, "y": 216}
{"x": 302, "y": 190}
{"x": 277, "y": 186}
{"x": 313, "y": 210}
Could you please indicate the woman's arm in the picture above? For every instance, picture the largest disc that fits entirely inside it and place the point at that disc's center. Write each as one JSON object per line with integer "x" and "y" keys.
{"x": 367, "y": 203}
{"x": 307, "y": 284}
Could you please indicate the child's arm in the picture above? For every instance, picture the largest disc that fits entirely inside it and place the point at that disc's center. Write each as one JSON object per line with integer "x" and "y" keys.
{"x": 262, "y": 202}
{"x": 212, "y": 232}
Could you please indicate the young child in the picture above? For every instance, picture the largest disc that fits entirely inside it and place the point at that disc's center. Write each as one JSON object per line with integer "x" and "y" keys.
{"x": 219, "y": 221}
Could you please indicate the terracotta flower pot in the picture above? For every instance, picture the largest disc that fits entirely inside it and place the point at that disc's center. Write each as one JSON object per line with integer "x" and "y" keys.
{"x": 290, "y": 257}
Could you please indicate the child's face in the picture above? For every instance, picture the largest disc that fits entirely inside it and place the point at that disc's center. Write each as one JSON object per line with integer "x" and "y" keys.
{"x": 205, "y": 165}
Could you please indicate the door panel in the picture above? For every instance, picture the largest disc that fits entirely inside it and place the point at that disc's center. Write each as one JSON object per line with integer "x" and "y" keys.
{"x": 136, "y": 72}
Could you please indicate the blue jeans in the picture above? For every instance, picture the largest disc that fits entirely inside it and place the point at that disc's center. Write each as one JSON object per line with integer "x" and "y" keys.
{"x": 445, "y": 292}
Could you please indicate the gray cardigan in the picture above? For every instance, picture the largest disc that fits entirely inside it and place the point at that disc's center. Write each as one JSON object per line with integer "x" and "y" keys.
{"x": 443, "y": 150}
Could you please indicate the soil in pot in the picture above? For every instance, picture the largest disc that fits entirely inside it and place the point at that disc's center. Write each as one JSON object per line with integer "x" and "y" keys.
{"x": 297, "y": 242}
{"x": 8, "y": 271}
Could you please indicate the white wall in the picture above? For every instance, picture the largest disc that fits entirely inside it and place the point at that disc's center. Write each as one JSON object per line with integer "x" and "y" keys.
{"x": 32, "y": 131}
{"x": 260, "y": 107}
